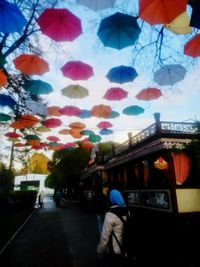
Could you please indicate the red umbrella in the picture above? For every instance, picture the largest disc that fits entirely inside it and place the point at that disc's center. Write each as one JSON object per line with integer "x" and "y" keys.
{"x": 31, "y": 64}
{"x": 52, "y": 123}
{"x": 149, "y": 94}
{"x": 104, "y": 125}
{"x": 53, "y": 138}
{"x": 115, "y": 93}
{"x": 161, "y": 11}
{"x": 12, "y": 135}
{"x": 192, "y": 47}
{"x": 77, "y": 70}
{"x": 70, "y": 111}
{"x": 60, "y": 24}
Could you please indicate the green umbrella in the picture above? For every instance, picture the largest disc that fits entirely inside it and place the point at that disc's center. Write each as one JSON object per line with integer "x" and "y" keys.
{"x": 4, "y": 117}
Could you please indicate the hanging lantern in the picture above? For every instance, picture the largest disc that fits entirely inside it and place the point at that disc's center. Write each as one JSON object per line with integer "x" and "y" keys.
{"x": 161, "y": 164}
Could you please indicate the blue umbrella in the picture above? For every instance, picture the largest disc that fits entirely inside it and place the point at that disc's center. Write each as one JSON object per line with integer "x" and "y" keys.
{"x": 119, "y": 31}
{"x": 121, "y": 74}
{"x": 6, "y": 100}
{"x": 113, "y": 115}
{"x": 11, "y": 18}
{"x": 105, "y": 131}
{"x": 87, "y": 132}
{"x": 38, "y": 87}
{"x": 133, "y": 110}
{"x": 85, "y": 114}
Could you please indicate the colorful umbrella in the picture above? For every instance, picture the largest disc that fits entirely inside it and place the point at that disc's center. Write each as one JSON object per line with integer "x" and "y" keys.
{"x": 60, "y": 24}
{"x": 6, "y": 100}
{"x": 12, "y": 135}
{"x": 114, "y": 114}
{"x": 70, "y": 111}
{"x": 28, "y": 120}
{"x": 42, "y": 129}
{"x": 87, "y": 145}
{"x": 3, "y": 79}
{"x": 36, "y": 107}
{"x": 17, "y": 125}
{"x": 192, "y": 47}
{"x": 115, "y": 94}
{"x": 77, "y": 70}
{"x": 105, "y": 132}
{"x": 161, "y": 11}
{"x": 121, "y": 74}
{"x": 119, "y": 31}
{"x": 32, "y": 137}
{"x": 54, "y": 111}
{"x": 85, "y": 114}
{"x": 94, "y": 138}
{"x": 71, "y": 145}
{"x": 169, "y": 74}
{"x": 149, "y": 94}
{"x": 38, "y": 87}
{"x": 180, "y": 25}
{"x": 65, "y": 131}
{"x": 11, "y": 18}
{"x": 52, "y": 123}
{"x": 53, "y": 138}
{"x": 31, "y": 64}
{"x": 75, "y": 91}
{"x": 133, "y": 110}
{"x": 77, "y": 125}
{"x": 97, "y": 4}
{"x": 87, "y": 132}
{"x": 75, "y": 133}
{"x": 4, "y": 117}
{"x": 101, "y": 111}
{"x": 104, "y": 124}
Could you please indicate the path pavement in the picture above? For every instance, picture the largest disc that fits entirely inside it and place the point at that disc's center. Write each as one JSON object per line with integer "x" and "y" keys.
{"x": 54, "y": 237}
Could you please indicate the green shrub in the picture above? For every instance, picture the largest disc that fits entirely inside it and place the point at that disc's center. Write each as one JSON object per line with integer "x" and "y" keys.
{"x": 24, "y": 199}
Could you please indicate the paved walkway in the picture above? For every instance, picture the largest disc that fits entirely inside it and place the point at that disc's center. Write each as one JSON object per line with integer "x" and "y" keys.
{"x": 54, "y": 237}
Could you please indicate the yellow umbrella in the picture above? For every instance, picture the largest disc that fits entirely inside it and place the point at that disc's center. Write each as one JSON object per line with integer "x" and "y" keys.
{"x": 180, "y": 25}
{"x": 75, "y": 91}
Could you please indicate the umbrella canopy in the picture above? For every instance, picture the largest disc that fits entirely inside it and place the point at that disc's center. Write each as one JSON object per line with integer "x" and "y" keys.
{"x": 119, "y": 31}
{"x": 121, "y": 74}
{"x": 192, "y": 47}
{"x": 3, "y": 79}
{"x": 36, "y": 107}
{"x": 77, "y": 125}
{"x": 12, "y": 135}
{"x": 180, "y": 25}
{"x": 105, "y": 131}
{"x": 104, "y": 124}
{"x": 32, "y": 137}
{"x": 87, "y": 145}
{"x": 6, "y": 100}
{"x": 31, "y": 64}
{"x": 115, "y": 94}
{"x": 70, "y": 111}
{"x": 60, "y": 24}
{"x": 28, "y": 120}
{"x": 54, "y": 111}
{"x": 4, "y": 117}
{"x": 97, "y": 4}
{"x": 169, "y": 74}
{"x": 65, "y": 131}
{"x": 75, "y": 91}
{"x": 71, "y": 145}
{"x": 85, "y": 114}
{"x": 133, "y": 110}
{"x": 114, "y": 114}
{"x": 11, "y": 18}
{"x": 53, "y": 138}
{"x": 42, "y": 129}
{"x": 17, "y": 125}
{"x": 52, "y": 123}
{"x": 87, "y": 132}
{"x": 101, "y": 111}
{"x": 161, "y": 11}
{"x": 77, "y": 70}
{"x": 94, "y": 138}
{"x": 149, "y": 94}
{"x": 38, "y": 87}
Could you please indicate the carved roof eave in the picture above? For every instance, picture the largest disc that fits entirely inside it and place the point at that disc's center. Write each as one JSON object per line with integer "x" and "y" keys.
{"x": 156, "y": 145}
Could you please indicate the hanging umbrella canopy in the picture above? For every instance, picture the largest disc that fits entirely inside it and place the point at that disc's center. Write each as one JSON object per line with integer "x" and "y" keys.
{"x": 114, "y": 114}
{"x": 52, "y": 123}
{"x": 17, "y": 125}
{"x": 77, "y": 70}
{"x": 28, "y": 120}
{"x": 133, "y": 110}
{"x": 97, "y": 4}
{"x": 60, "y": 24}
{"x": 161, "y": 11}
{"x": 32, "y": 137}
{"x": 70, "y": 111}
{"x": 65, "y": 131}
{"x": 85, "y": 114}
{"x": 104, "y": 125}
{"x": 53, "y": 138}
{"x": 115, "y": 94}
{"x": 101, "y": 111}
{"x": 180, "y": 25}
{"x": 75, "y": 91}
{"x": 169, "y": 74}
{"x": 87, "y": 145}
{"x": 4, "y": 117}
{"x": 54, "y": 111}
{"x": 31, "y": 64}
{"x": 6, "y": 100}
{"x": 192, "y": 47}
{"x": 19, "y": 145}
{"x": 38, "y": 87}
{"x": 42, "y": 129}
{"x": 36, "y": 107}
{"x": 149, "y": 94}
{"x": 94, "y": 138}
{"x": 121, "y": 74}
{"x": 87, "y": 132}
{"x": 11, "y": 18}
{"x": 76, "y": 133}
{"x": 3, "y": 79}
{"x": 77, "y": 125}
{"x": 71, "y": 145}
{"x": 119, "y": 31}
{"x": 12, "y": 135}
{"x": 105, "y": 131}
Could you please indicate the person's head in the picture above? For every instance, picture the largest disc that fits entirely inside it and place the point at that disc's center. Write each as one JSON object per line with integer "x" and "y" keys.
{"x": 116, "y": 198}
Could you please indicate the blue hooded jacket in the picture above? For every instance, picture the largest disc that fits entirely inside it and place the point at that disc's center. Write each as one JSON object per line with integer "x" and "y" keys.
{"x": 116, "y": 198}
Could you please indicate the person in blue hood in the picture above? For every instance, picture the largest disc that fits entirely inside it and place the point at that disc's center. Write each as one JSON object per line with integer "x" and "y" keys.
{"x": 112, "y": 231}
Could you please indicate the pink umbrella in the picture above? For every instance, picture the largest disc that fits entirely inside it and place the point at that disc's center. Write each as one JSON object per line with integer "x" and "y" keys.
{"x": 77, "y": 70}
{"x": 149, "y": 94}
{"x": 60, "y": 24}
{"x": 70, "y": 111}
{"x": 53, "y": 138}
{"x": 52, "y": 123}
{"x": 104, "y": 125}
{"x": 115, "y": 94}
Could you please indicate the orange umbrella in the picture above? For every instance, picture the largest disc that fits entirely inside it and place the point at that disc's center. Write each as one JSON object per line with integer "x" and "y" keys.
{"x": 77, "y": 125}
{"x": 87, "y": 145}
{"x": 31, "y": 64}
{"x": 65, "y": 131}
{"x": 3, "y": 79}
{"x": 75, "y": 133}
{"x": 54, "y": 111}
{"x": 17, "y": 125}
{"x": 192, "y": 47}
{"x": 161, "y": 11}
{"x": 149, "y": 94}
{"x": 101, "y": 111}
{"x": 28, "y": 120}
{"x": 19, "y": 145}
